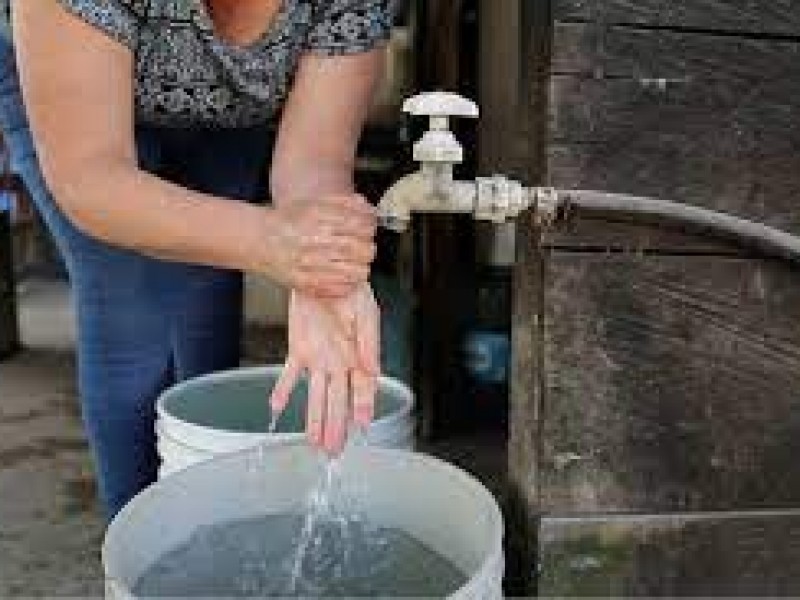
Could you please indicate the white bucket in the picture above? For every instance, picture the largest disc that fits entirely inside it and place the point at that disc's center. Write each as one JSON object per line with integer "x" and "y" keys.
{"x": 440, "y": 505}
{"x": 229, "y": 411}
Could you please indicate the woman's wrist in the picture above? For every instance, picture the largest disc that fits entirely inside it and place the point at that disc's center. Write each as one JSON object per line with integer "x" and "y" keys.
{"x": 259, "y": 248}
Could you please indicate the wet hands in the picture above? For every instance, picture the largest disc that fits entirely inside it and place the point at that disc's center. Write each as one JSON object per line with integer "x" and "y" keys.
{"x": 335, "y": 341}
{"x": 326, "y": 250}
{"x": 323, "y": 248}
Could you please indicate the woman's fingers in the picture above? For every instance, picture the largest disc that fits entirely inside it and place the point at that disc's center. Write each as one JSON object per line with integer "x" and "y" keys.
{"x": 337, "y": 413}
{"x": 342, "y": 264}
{"x": 315, "y": 414}
{"x": 367, "y": 334}
{"x": 334, "y": 270}
{"x": 351, "y": 215}
{"x": 354, "y": 205}
{"x": 350, "y": 249}
{"x": 368, "y": 331}
{"x": 335, "y": 224}
{"x": 365, "y": 388}
{"x": 322, "y": 248}
{"x": 335, "y": 282}
{"x": 329, "y": 291}
{"x": 331, "y": 238}
{"x": 334, "y": 340}
{"x": 285, "y": 384}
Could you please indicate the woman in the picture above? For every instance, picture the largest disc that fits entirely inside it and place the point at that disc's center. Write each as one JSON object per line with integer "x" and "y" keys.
{"x": 150, "y": 123}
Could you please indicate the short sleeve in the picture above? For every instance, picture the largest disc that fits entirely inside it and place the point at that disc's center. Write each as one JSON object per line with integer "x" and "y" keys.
{"x": 119, "y": 19}
{"x": 349, "y": 26}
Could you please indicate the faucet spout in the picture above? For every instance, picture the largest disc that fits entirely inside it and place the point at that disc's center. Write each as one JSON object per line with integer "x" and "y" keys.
{"x": 394, "y": 209}
{"x": 424, "y": 191}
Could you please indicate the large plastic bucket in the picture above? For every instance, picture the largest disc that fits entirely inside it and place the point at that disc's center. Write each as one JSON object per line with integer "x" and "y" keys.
{"x": 229, "y": 411}
{"x": 442, "y": 506}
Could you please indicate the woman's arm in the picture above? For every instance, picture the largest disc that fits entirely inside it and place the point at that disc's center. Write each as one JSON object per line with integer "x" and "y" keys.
{"x": 78, "y": 87}
{"x": 315, "y": 155}
{"x": 321, "y": 125}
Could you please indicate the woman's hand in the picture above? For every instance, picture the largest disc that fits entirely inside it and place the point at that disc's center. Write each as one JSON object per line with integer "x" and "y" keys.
{"x": 360, "y": 314}
{"x": 323, "y": 248}
{"x": 336, "y": 342}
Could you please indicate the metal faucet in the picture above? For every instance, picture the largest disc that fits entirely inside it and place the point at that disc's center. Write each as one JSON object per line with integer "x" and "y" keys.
{"x": 497, "y": 199}
{"x": 433, "y": 188}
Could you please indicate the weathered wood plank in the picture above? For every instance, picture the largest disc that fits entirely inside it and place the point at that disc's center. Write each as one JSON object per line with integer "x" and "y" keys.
{"x": 776, "y": 17}
{"x": 527, "y": 397}
{"x": 647, "y": 382}
{"x": 707, "y": 120}
{"x": 749, "y": 115}
{"x": 670, "y": 383}
{"x": 621, "y": 235}
{"x": 511, "y": 64}
{"x": 764, "y": 189}
{"x": 499, "y": 94}
{"x": 627, "y": 52}
{"x": 700, "y": 555}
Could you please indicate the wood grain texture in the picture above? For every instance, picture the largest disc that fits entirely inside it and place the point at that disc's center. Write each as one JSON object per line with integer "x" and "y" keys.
{"x": 599, "y": 51}
{"x": 753, "y": 554}
{"x": 618, "y": 234}
{"x": 764, "y": 17}
{"x": 670, "y": 384}
{"x": 712, "y": 121}
{"x": 527, "y": 397}
{"x": 662, "y": 379}
{"x": 500, "y": 94}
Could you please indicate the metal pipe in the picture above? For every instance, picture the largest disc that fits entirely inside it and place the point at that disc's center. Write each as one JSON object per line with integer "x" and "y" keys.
{"x": 767, "y": 240}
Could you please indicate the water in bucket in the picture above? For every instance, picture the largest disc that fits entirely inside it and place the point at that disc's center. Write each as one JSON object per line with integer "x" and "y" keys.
{"x": 254, "y": 557}
{"x": 242, "y": 526}
{"x": 328, "y": 550}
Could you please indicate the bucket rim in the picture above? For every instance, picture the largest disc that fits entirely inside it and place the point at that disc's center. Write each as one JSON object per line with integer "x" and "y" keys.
{"x": 488, "y": 565}
{"x": 390, "y": 384}
{"x": 375, "y": 438}
{"x": 275, "y": 439}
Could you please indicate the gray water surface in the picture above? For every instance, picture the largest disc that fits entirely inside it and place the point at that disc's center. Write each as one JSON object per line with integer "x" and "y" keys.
{"x": 254, "y": 557}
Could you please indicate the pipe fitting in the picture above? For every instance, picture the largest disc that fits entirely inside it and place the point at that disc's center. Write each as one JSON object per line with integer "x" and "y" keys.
{"x": 546, "y": 203}
{"x": 499, "y": 199}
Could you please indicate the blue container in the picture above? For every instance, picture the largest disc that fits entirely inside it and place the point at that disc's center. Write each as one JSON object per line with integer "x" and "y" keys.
{"x": 8, "y": 204}
{"x": 487, "y": 356}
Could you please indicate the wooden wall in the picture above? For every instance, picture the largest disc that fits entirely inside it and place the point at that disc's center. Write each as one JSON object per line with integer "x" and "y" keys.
{"x": 656, "y": 413}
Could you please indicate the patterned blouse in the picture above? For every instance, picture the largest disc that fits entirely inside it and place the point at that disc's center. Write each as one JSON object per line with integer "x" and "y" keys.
{"x": 187, "y": 76}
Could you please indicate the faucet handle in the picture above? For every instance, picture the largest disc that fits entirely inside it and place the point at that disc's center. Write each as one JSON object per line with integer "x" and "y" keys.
{"x": 440, "y": 104}
{"x": 439, "y": 145}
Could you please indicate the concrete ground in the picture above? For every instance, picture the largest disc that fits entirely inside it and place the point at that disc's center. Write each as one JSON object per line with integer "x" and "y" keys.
{"x": 50, "y": 525}
{"x": 51, "y": 528}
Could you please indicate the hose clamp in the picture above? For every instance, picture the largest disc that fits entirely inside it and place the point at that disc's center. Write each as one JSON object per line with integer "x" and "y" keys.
{"x": 546, "y": 204}
{"x": 499, "y": 199}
